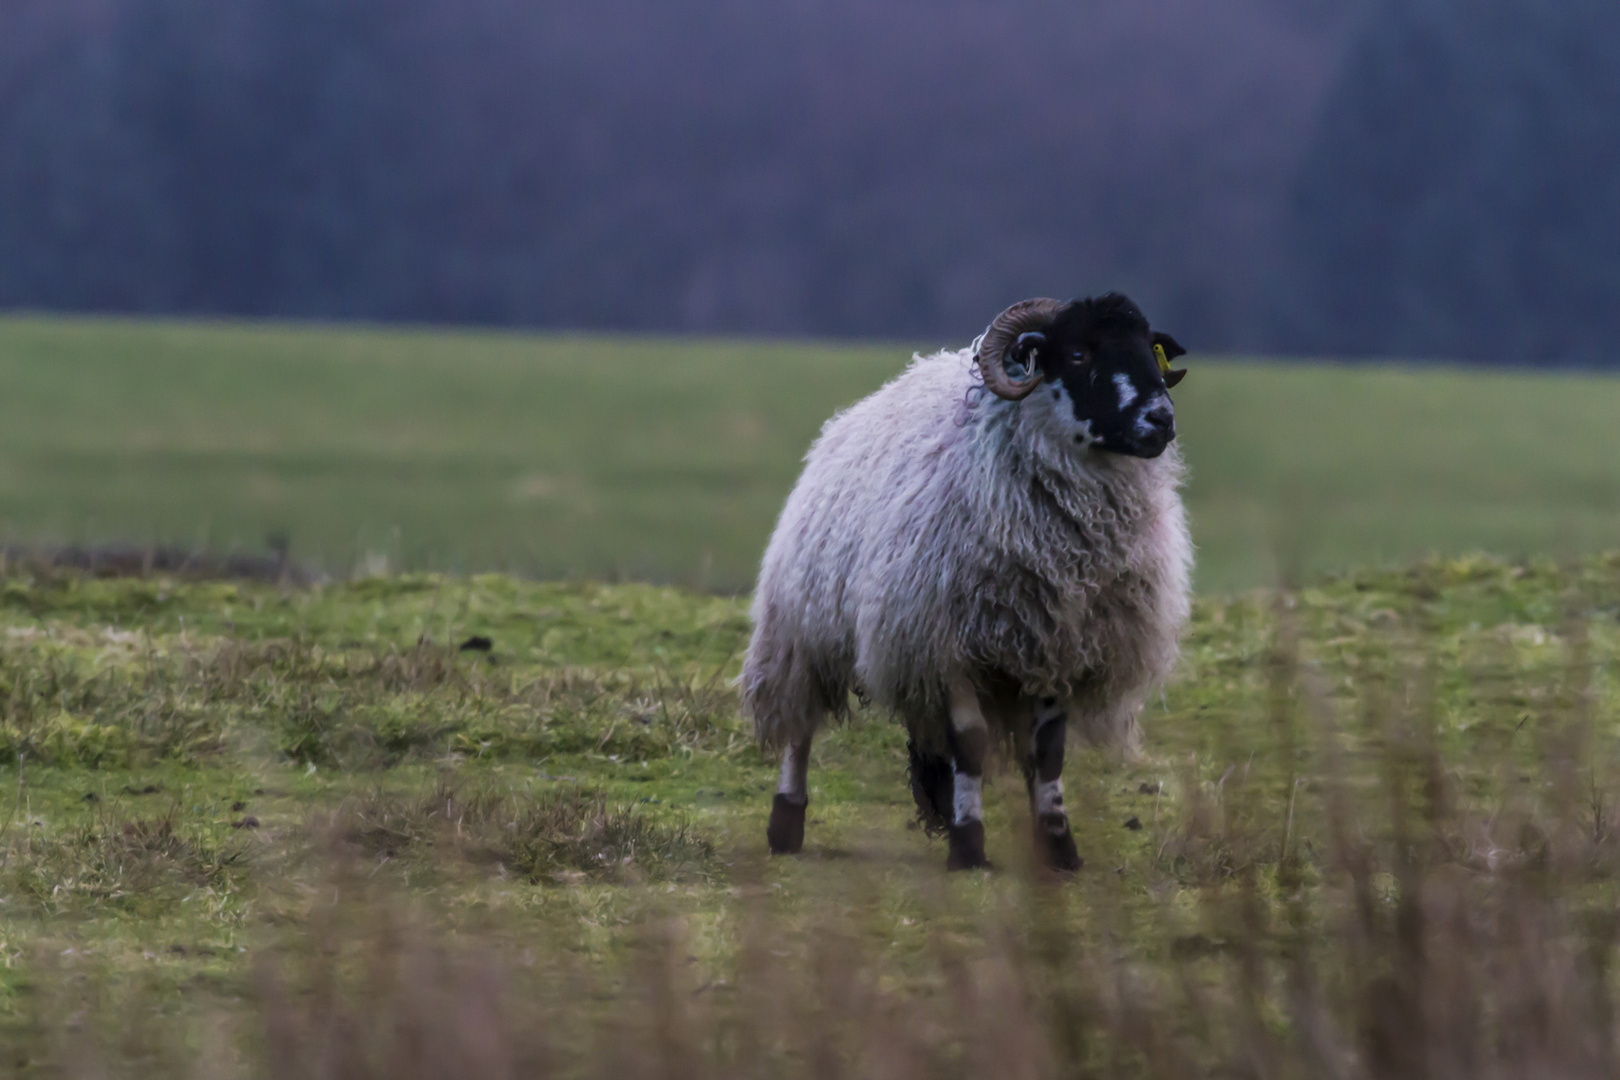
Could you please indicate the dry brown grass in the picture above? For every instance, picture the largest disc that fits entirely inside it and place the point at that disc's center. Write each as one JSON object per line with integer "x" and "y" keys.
{"x": 127, "y": 862}
{"x": 560, "y": 835}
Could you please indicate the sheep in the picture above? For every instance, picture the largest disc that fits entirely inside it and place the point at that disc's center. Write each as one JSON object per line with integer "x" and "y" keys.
{"x": 991, "y": 544}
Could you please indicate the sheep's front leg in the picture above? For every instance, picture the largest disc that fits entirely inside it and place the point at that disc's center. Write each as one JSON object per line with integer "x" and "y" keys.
{"x": 1043, "y": 772}
{"x": 970, "y": 744}
{"x": 786, "y": 830}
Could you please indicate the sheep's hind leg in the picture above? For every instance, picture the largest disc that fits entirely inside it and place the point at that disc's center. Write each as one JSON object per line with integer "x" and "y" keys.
{"x": 785, "y": 833}
{"x": 1043, "y": 772}
{"x": 970, "y": 744}
{"x": 932, "y": 786}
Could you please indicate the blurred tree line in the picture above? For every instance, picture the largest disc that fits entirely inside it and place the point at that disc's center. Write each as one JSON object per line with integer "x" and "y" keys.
{"x": 1461, "y": 195}
{"x": 1421, "y": 178}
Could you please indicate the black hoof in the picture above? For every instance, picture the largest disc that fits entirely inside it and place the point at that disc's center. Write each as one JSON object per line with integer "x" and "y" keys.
{"x": 786, "y": 830}
{"x": 967, "y": 847}
{"x": 1056, "y": 850}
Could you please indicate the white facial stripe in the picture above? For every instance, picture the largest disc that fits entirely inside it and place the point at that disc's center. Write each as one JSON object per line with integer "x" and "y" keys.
{"x": 1127, "y": 390}
{"x": 969, "y": 799}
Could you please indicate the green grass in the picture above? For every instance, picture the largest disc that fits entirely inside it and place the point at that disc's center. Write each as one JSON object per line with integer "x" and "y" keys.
{"x": 248, "y": 829}
{"x": 668, "y": 460}
{"x": 184, "y": 707}
{"x": 209, "y": 783}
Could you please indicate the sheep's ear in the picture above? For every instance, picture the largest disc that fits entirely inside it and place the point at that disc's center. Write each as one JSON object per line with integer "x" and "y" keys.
{"x": 1025, "y": 350}
{"x": 1172, "y": 348}
{"x": 1166, "y": 349}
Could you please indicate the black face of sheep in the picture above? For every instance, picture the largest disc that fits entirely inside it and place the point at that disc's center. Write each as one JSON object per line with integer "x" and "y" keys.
{"x": 1102, "y": 360}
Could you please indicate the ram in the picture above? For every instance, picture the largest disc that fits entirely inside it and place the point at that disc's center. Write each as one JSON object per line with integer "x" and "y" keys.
{"x": 992, "y": 544}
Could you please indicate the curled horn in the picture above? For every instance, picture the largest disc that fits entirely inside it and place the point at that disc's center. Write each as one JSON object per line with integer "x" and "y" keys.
{"x": 1024, "y": 317}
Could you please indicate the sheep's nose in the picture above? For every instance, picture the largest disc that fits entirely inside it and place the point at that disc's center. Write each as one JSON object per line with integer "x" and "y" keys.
{"x": 1161, "y": 418}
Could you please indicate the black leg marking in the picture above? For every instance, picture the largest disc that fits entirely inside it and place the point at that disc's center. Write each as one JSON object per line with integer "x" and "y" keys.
{"x": 785, "y": 833}
{"x": 1048, "y": 745}
{"x": 931, "y": 786}
{"x": 967, "y": 847}
{"x": 1043, "y": 772}
{"x": 968, "y": 751}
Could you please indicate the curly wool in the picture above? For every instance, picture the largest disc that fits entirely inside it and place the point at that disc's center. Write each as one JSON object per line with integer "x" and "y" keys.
{"x": 939, "y": 532}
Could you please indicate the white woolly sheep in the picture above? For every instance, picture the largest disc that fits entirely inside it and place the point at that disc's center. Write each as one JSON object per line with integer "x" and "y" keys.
{"x": 1009, "y": 562}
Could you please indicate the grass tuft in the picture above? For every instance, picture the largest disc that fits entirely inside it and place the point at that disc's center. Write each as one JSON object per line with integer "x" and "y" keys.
{"x": 558, "y": 836}
{"x": 139, "y": 864}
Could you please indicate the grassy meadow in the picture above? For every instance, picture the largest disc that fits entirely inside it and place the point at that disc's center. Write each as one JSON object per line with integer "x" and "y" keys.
{"x": 265, "y": 831}
{"x": 635, "y": 459}
{"x": 425, "y": 820}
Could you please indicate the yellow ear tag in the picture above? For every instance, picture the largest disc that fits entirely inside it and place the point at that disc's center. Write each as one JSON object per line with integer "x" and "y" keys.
{"x": 1158, "y": 354}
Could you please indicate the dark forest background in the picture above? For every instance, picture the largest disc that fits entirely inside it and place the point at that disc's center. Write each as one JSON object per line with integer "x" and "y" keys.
{"x": 1417, "y": 178}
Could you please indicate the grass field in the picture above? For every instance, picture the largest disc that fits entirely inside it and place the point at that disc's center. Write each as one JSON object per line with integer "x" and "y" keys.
{"x": 667, "y": 460}
{"x": 257, "y": 829}
{"x": 282, "y": 832}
